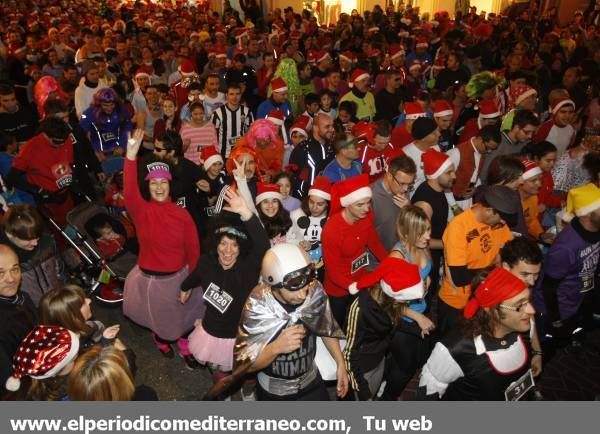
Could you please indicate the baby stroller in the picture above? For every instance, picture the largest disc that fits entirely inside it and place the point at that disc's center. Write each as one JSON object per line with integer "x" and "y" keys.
{"x": 103, "y": 277}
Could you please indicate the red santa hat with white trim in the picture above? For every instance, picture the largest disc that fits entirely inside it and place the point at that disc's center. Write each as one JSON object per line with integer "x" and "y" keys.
{"x": 276, "y": 116}
{"x": 349, "y": 191}
{"x": 520, "y": 93}
{"x": 187, "y": 68}
{"x": 44, "y": 352}
{"x": 413, "y": 110}
{"x": 442, "y": 108}
{"x": 278, "y": 85}
{"x": 321, "y": 187}
{"x": 422, "y": 43}
{"x": 301, "y": 125}
{"x": 561, "y": 102}
{"x": 398, "y": 279}
{"x": 435, "y": 163}
{"x": 267, "y": 191}
{"x": 348, "y": 55}
{"x": 358, "y": 75}
{"x": 531, "y": 169}
{"x": 488, "y": 109}
{"x": 210, "y": 156}
{"x": 321, "y": 55}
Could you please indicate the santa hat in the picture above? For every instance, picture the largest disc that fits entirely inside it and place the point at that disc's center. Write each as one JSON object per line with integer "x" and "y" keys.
{"x": 435, "y": 163}
{"x": 414, "y": 64}
{"x": 321, "y": 187}
{"x": 220, "y": 30}
{"x": 221, "y": 52}
{"x": 498, "y": 286}
{"x": 396, "y": 51}
{"x": 267, "y": 191}
{"x": 348, "y": 55}
{"x": 358, "y": 74}
{"x": 422, "y": 43}
{"x": 413, "y": 110}
{"x": 44, "y": 352}
{"x": 373, "y": 29}
{"x": 321, "y": 55}
{"x": 583, "y": 200}
{"x": 488, "y": 109}
{"x": 398, "y": 279}
{"x": 561, "y": 102}
{"x": 531, "y": 169}
{"x": 187, "y": 68}
{"x": 278, "y": 85}
{"x": 143, "y": 71}
{"x": 364, "y": 130}
{"x": 210, "y": 156}
{"x": 301, "y": 125}
{"x": 276, "y": 116}
{"x": 442, "y": 108}
{"x": 521, "y": 93}
{"x": 352, "y": 190}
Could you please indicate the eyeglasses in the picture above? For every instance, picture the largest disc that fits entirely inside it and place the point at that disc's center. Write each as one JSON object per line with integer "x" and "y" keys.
{"x": 517, "y": 308}
{"x": 156, "y": 149}
{"x": 408, "y": 186}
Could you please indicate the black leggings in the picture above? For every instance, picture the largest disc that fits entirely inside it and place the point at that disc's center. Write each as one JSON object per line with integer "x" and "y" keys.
{"x": 408, "y": 353}
{"x": 339, "y": 308}
{"x": 448, "y": 317}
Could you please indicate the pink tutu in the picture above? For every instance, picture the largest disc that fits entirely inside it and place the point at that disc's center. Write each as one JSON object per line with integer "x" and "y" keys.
{"x": 209, "y": 349}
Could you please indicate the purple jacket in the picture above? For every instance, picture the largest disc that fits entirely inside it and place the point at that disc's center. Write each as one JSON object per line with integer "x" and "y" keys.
{"x": 572, "y": 259}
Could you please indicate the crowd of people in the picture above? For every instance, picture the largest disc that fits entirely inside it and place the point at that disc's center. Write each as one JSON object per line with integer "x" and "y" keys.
{"x": 391, "y": 194}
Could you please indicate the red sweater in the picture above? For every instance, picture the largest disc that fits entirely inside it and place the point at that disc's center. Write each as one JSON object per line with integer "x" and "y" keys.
{"x": 343, "y": 244}
{"x": 166, "y": 233}
{"x": 45, "y": 165}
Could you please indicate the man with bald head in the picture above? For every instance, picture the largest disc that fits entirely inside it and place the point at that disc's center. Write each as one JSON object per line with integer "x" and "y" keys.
{"x": 17, "y": 312}
{"x": 310, "y": 156}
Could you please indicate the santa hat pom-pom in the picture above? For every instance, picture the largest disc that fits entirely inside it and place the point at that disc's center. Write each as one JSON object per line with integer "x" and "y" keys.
{"x": 353, "y": 288}
{"x": 13, "y": 384}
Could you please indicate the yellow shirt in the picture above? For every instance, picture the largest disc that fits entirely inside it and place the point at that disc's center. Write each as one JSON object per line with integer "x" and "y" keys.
{"x": 467, "y": 242}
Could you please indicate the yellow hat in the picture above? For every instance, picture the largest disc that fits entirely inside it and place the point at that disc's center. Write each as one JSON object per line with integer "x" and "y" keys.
{"x": 583, "y": 200}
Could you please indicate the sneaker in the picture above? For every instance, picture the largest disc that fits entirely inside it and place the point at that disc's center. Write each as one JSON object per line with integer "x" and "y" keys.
{"x": 190, "y": 362}
{"x": 110, "y": 293}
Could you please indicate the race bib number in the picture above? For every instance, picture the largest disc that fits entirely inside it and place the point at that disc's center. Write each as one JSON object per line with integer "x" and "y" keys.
{"x": 108, "y": 136}
{"x": 180, "y": 202}
{"x": 360, "y": 262}
{"x": 219, "y": 299}
{"x": 231, "y": 144}
{"x": 520, "y": 387}
{"x": 587, "y": 283}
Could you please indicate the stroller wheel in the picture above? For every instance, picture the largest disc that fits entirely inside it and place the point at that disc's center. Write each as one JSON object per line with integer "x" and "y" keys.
{"x": 110, "y": 292}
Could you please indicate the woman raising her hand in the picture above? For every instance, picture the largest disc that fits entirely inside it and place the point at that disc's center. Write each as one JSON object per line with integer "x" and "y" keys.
{"x": 169, "y": 249}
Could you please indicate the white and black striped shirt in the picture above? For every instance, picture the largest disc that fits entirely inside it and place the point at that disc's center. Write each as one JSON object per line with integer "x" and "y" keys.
{"x": 231, "y": 125}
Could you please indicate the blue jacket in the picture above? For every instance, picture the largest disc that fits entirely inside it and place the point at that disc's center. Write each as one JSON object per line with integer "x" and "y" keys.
{"x": 107, "y": 134}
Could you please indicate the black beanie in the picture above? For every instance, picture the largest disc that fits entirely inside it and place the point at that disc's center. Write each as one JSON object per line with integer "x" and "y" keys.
{"x": 422, "y": 127}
